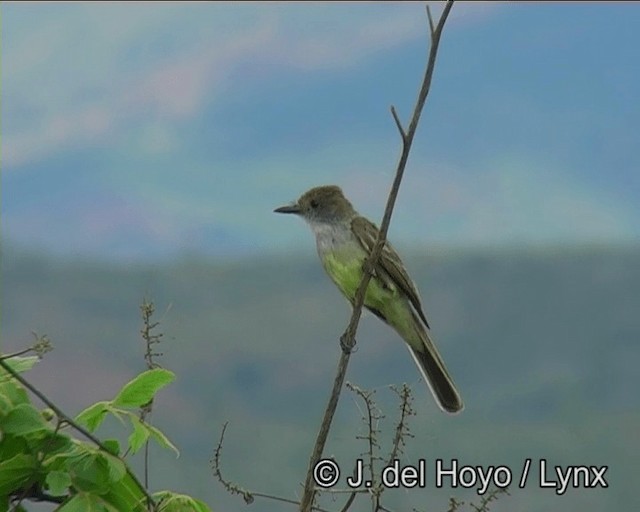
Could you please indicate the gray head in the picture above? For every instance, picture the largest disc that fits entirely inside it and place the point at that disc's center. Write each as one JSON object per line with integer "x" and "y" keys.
{"x": 321, "y": 204}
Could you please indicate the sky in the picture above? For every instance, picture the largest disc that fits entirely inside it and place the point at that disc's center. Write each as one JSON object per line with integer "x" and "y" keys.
{"x": 148, "y": 130}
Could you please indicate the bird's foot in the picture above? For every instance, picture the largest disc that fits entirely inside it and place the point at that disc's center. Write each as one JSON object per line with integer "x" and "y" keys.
{"x": 368, "y": 268}
{"x": 347, "y": 344}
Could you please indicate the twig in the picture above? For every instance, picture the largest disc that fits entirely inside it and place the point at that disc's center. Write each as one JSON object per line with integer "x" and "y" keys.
{"x": 488, "y": 498}
{"x": 229, "y": 486}
{"x": 347, "y": 340}
{"x": 35, "y": 493}
{"x": 371, "y": 419}
{"x": 431, "y": 25}
{"x": 233, "y": 488}
{"x": 150, "y": 339}
{"x": 147, "y": 308}
{"x": 69, "y": 421}
{"x": 41, "y": 346}
{"x": 16, "y": 354}
{"x": 348, "y": 503}
{"x": 309, "y": 491}
{"x": 403, "y": 135}
{"x": 402, "y": 428}
{"x": 454, "y": 504}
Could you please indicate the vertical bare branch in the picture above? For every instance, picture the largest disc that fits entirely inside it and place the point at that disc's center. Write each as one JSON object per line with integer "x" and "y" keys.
{"x": 347, "y": 340}
{"x": 371, "y": 416}
{"x": 150, "y": 338}
{"x": 402, "y": 427}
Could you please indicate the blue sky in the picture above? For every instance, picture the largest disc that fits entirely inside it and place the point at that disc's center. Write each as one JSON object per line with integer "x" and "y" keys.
{"x": 147, "y": 130}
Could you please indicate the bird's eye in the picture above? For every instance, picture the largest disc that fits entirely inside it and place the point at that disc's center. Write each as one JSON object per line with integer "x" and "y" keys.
{"x": 314, "y": 203}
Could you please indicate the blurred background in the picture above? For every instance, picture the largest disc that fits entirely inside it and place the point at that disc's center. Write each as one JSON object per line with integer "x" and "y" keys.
{"x": 144, "y": 147}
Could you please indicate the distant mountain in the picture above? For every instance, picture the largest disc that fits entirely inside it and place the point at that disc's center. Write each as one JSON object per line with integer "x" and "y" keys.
{"x": 543, "y": 343}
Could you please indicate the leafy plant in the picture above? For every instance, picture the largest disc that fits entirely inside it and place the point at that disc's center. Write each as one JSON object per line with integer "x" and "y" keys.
{"x": 41, "y": 460}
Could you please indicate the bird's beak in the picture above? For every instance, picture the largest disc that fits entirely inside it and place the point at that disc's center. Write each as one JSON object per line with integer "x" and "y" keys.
{"x": 292, "y": 208}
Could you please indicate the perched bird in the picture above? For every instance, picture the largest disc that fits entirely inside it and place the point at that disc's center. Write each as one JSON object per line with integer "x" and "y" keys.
{"x": 344, "y": 239}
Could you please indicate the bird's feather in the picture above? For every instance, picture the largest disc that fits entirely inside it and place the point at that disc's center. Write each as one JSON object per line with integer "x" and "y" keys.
{"x": 389, "y": 267}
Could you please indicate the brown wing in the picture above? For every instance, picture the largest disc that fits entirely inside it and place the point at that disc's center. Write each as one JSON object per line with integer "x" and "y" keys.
{"x": 389, "y": 263}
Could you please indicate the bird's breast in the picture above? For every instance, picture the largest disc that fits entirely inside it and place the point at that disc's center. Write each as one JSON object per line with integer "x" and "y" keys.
{"x": 330, "y": 237}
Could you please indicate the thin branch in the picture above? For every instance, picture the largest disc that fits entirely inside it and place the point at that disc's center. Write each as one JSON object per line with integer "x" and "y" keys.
{"x": 347, "y": 505}
{"x": 347, "y": 340}
{"x": 41, "y": 346}
{"x": 234, "y": 488}
{"x": 17, "y": 354}
{"x": 147, "y": 309}
{"x": 402, "y": 427}
{"x": 354, "y": 492}
{"x": 69, "y": 421}
{"x": 492, "y": 495}
{"x": 349, "y": 333}
{"x": 426, "y": 84}
{"x": 371, "y": 419}
{"x": 403, "y": 134}
{"x": 285, "y": 500}
{"x": 309, "y": 491}
{"x": 228, "y": 485}
{"x": 36, "y": 493}
{"x": 454, "y": 504}
{"x": 349, "y": 490}
{"x": 432, "y": 28}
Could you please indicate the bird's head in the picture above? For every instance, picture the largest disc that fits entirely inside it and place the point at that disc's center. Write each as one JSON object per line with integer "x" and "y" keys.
{"x": 321, "y": 204}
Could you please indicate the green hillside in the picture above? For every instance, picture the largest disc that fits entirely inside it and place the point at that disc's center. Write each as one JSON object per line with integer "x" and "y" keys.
{"x": 543, "y": 344}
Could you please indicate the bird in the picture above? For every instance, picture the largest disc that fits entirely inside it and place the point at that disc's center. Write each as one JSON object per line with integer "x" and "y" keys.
{"x": 344, "y": 239}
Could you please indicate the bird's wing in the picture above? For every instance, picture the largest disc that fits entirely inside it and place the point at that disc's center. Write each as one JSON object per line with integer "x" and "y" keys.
{"x": 389, "y": 264}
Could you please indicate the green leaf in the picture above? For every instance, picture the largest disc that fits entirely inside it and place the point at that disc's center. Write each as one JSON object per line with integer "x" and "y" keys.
{"x": 22, "y": 364}
{"x": 140, "y": 434}
{"x": 143, "y": 388}
{"x": 113, "y": 445}
{"x": 126, "y": 495}
{"x": 11, "y": 445}
{"x": 172, "y": 502}
{"x": 162, "y": 439}
{"x": 16, "y": 472}
{"x": 93, "y": 415}
{"x": 66, "y": 455}
{"x": 58, "y": 483}
{"x": 86, "y": 502}
{"x": 12, "y": 394}
{"x": 52, "y": 443}
{"x": 5, "y": 405}
{"x": 23, "y": 419}
{"x": 115, "y": 467}
{"x": 14, "y": 508}
{"x": 90, "y": 473}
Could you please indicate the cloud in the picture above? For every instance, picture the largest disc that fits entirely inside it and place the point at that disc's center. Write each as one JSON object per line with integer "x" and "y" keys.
{"x": 82, "y": 74}
{"x": 509, "y": 201}
{"x": 70, "y": 129}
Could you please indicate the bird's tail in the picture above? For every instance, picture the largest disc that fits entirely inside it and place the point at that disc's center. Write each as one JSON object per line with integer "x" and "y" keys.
{"x": 436, "y": 375}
